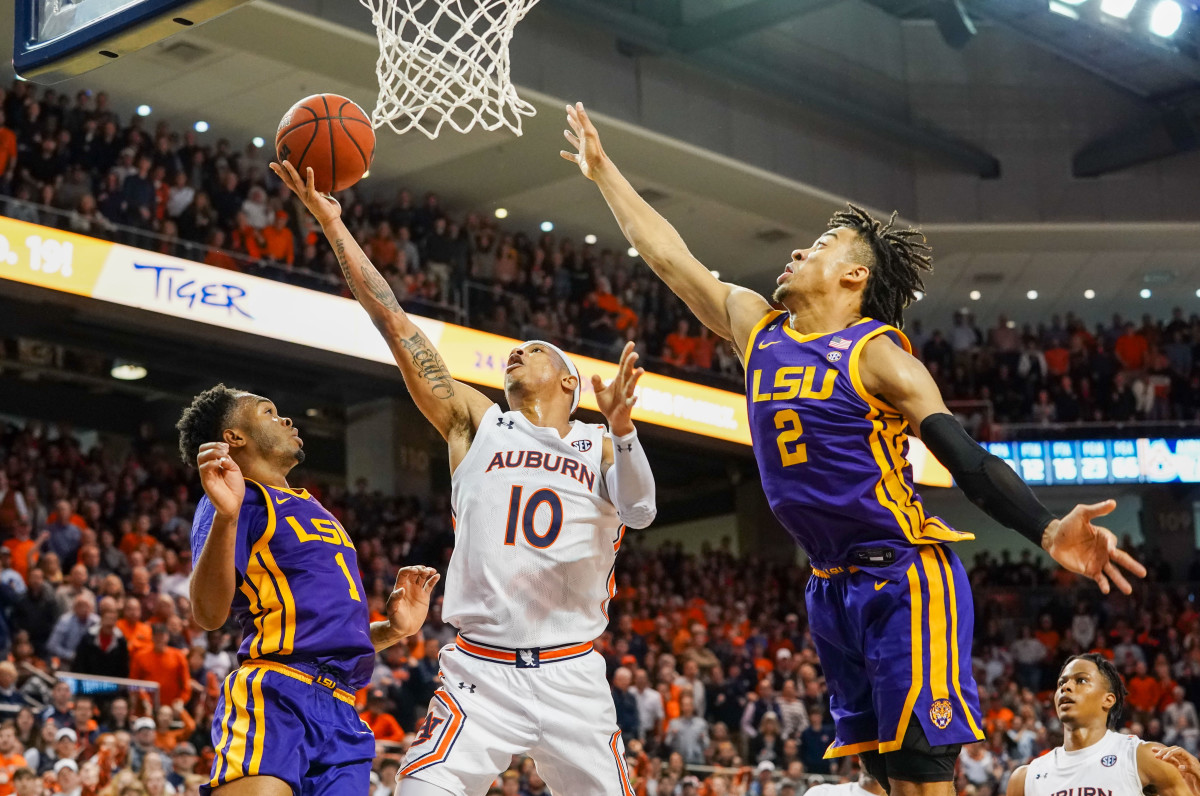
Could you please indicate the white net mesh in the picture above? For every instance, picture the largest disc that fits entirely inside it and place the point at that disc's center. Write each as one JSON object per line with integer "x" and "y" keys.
{"x": 446, "y": 62}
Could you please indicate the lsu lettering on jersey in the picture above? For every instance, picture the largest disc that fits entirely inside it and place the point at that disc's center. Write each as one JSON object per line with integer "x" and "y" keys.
{"x": 832, "y": 457}
{"x": 536, "y": 535}
{"x": 299, "y": 597}
{"x": 1106, "y": 768}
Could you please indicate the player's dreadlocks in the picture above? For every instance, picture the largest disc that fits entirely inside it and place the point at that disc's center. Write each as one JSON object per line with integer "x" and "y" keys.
{"x": 1116, "y": 686}
{"x": 205, "y": 419}
{"x": 897, "y": 259}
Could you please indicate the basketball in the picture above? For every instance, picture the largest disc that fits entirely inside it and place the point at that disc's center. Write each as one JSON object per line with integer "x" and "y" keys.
{"x": 329, "y": 134}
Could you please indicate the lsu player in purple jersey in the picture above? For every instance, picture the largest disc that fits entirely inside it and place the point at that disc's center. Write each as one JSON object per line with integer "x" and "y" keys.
{"x": 540, "y": 503}
{"x": 832, "y": 391}
{"x": 285, "y": 722}
{"x": 1094, "y": 759}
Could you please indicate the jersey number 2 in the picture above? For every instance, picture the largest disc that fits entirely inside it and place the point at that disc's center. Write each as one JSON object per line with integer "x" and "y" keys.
{"x": 788, "y": 422}
{"x": 524, "y": 516}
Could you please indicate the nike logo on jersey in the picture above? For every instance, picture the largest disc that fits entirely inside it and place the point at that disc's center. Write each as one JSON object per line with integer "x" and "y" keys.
{"x": 765, "y": 344}
{"x": 880, "y": 585}
{"x": 282, "y": 500}
{"x": 538, "y": 460}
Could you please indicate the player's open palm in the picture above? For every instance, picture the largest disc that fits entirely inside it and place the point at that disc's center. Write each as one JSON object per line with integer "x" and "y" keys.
{"x": 588, "y": 154}
{"x": 221, "y": 478}
{"x": 323, "y": 206}
{"x": 1187, "y": 763}
{"x": 1090, "y": 550}
{"x": 616, "y": 399}
{"x": 408, "y": 604}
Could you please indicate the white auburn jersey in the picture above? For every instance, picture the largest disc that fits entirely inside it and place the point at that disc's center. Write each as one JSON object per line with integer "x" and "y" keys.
{"x": 536, "y": 535}
{"x": 1106, "y": 768}
{"x": 843, "y": 789}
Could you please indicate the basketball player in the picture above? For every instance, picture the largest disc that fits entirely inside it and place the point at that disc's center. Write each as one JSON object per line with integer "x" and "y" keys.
{"x": 1185, "y": 761}
{"x": 832, "y": 391}
{"x": 1093, "y": 759}
{"x": 285, "y": 722}
{"x": 540, "y": 504}
{"x": 866, "y": 785}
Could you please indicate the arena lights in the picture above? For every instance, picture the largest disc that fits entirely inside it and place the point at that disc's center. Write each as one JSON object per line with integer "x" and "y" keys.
{"x": 501, "y": 212}
{"x": 1144, "y": 292}
{"x": 258, "y": 142}
{"x": 144, "y": 110}
{"x": 127, "y": 371}
{"x": 1089, "y": 294}
{"x": 975, "y": 295}
{"x": 1031, "y": 295}
{"x": 1117, "y": 8}
{"x": 1166, "y": 18}
{"x": 918, "y": 294}
{"x": 632, "y": 252}
{"x": 547, "y": 226}
{"x": 201, "y": 126}
{"x": 716, "y": 274}
{"x": 590, "y": 240}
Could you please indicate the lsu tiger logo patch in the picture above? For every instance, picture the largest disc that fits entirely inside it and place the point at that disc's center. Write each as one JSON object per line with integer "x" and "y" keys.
{"x": 941, "y": 713}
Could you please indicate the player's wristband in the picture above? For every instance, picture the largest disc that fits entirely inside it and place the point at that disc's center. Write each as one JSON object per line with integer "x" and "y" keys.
{"x": 986, "y": 479}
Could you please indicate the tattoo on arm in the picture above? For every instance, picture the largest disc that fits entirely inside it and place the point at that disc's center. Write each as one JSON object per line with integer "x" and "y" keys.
{"x": 430, "y": 366}
{"x": 374, "y": 281}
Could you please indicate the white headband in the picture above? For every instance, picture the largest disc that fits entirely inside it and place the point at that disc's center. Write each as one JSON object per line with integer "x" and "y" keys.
{"x": 567, "y": 361}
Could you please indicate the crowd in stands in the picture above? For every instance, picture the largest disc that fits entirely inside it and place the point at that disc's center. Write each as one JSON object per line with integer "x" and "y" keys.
{"x": 715, "y": 680}
{"x": 143, "y": 182}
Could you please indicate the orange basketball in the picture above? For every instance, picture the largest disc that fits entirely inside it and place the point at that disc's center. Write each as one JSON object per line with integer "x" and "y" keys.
{"x": 329, "y": 134}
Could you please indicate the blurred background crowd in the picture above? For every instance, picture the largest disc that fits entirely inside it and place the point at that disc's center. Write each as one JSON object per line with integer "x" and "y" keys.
{"x": 715, "y": 681}
{"x": 69, "y": 162}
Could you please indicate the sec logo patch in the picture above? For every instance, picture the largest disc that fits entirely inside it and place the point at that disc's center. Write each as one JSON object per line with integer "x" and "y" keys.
{"x": 834, "y": 356}
{"x": 941, "y": 713}
{"x": 582, "y": 445}
{"x": 1108, "y": 761}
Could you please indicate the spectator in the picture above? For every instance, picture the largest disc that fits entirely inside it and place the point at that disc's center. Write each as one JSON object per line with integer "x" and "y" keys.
{"x": 164, "y": 665}
{"x": 66, "y": 775}
{"x": 59, "y": 708}
{"x": 625, "y": 701}
{"x": 11, "y": 758}
{"x": 688, "y": 733}
{"x": 144, "y": 745}
{"x": 62, "y": 535}
{"x": 103, "y": 651}
{"x": 71, "y": 628}
{"x": 36, "y": 611}
{"x": 651, "y": 711}
{"x": 381, "y": 722}
{"x": 279, "y": 242}
{"x": 183, "y": 765}
{"x": 813, "y": 743}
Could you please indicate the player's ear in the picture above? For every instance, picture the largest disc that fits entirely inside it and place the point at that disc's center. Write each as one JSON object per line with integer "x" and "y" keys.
{"x": 233, "y": 438}
{"x": 1109, "y": 700}
{"x": 569, "y": 382}
{"x": 854, "y": 274}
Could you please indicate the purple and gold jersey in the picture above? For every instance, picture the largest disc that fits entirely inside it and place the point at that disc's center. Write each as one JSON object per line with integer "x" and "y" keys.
{"x": 831, "y": 456}
{"x": 299, "y": 597}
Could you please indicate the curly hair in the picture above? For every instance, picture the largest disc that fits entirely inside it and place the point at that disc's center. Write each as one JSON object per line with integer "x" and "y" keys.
{"x": 897, "y": 258}
{"x": 205, "y": 419}
{"x": 1116, "y": 686}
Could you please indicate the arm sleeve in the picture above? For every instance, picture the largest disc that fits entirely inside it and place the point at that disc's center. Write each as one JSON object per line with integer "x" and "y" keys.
{"x": 985, "y": 478}
{"x": 630, "y": 483}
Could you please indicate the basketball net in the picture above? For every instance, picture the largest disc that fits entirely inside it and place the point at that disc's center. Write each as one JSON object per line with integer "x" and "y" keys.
{"x": 446, "y": 62}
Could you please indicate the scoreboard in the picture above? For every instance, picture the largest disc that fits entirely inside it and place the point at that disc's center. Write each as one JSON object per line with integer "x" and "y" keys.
{"x": 1102, "y": 461}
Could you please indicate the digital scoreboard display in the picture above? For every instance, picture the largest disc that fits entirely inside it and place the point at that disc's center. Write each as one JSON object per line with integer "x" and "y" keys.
{"x": 1102, "y": 461}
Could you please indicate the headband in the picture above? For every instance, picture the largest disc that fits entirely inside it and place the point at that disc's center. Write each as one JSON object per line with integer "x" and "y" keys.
{"x": 566, "y": 361}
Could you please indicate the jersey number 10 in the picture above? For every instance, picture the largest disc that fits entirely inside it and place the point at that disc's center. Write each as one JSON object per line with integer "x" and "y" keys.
{"x": 526, "y": 515}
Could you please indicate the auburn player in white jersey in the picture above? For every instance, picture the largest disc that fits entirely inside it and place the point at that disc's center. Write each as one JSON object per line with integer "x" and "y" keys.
{"x": 1094, "y": 760}
{"x": 540, "y": 503}
{"x": 866, "y": 785}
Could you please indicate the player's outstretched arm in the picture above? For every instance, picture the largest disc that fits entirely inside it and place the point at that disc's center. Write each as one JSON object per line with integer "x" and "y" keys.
{"x": 627, "y": 474}
{"x": 407, "y": 606}
{"x": 895, "y": 376}
{"x": 214, "y": 577}
{"x": 729, "y": 310}
{"x": 1185, "y": 761}
{"x": 1166, "y": 776}
{"x": 451, "y": 406}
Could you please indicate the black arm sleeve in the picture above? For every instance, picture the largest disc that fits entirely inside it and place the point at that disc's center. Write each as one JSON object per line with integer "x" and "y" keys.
{"x": 985, "y": 479}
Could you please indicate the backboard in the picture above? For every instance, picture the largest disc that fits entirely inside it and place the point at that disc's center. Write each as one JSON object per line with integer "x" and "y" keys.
{"x": 57, "y": 39}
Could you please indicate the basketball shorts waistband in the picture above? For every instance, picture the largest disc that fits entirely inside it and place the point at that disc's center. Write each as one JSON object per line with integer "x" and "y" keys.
{"x": 319, "y": 680}
{"x": 833, "y": 572}
{"x": 521, "y": 658}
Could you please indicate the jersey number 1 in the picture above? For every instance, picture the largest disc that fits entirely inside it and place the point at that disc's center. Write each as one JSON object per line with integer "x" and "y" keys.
{"x": 525, "y": 517}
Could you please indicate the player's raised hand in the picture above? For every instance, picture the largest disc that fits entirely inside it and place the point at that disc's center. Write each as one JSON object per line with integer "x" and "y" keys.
{"x": 221, "y": 478}
{"x": 1090, "y": 550}
{"x": 408, "y": 604}
{"x": 588, "y": 154}
{"x": 1187, "y": 763}
{"x": 616, "y": 399}
{"x": 323, "y": 206}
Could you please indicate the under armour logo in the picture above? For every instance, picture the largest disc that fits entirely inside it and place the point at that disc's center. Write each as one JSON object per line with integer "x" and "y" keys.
{"x": 502, "y": 423}
{"x": 623, "y": 448}
{"x": 469, "y": 688}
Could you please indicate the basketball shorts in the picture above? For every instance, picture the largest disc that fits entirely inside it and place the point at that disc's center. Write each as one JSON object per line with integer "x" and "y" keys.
{"x": 550, "y": 703}
{"x": 279, "y": 721}
{"x": 893, "y": 650}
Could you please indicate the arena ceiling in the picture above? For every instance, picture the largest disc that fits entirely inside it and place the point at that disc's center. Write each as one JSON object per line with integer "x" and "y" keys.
{"x": 240, "y": 72}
